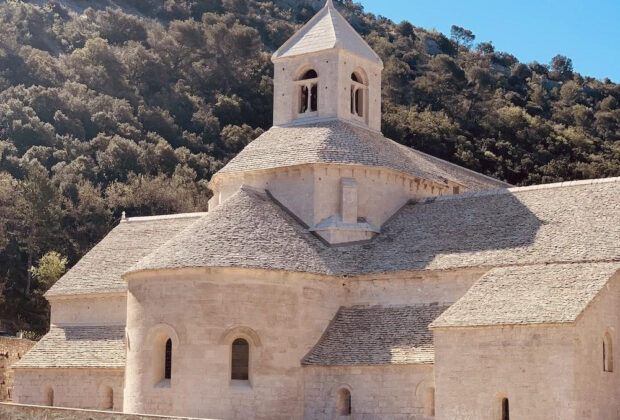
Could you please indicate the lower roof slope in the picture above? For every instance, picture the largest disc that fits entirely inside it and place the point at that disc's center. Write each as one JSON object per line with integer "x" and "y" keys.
{"x": 101, "y": 268}
{"x": 342, "y": 143}
{"x": 78, "y": 347}
{"x": 578, "y": 222}
{"x": 371, "y": 335}
{"x": 553, "y": 293}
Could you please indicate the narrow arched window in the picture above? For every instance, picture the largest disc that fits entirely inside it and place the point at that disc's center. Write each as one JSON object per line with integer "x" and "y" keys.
{"x": 308, "y": 92}
{"x": 429, "y": 402}
{"x": 107, "y": 402}
{"x": 358, "y": 89}
{"x": 49, "y": 396}
{"x": 505, "y": 409}
{"x": 608, "y": 355}
{"x": 168, "y": 360}
{"x": 343, "y": 406}
{"x": 240, "y": 360}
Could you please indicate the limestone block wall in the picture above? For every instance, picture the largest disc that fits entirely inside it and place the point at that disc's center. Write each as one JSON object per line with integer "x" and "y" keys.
{"x": 380, "y": 192}
{"x": 443, "y": 286}
{"x": 377, "y": 392}
{"x": 33, "y": 412}
{"x": 11, "y": 351}
{"x": 293, "y": 187}
{"x": 313, "y": 192}
{"x": 533, "y": 366}
{"x": 281, "y": 315}
{"x": 286, "y": 95}
{"x": 76, "y": 388}
{"x": 597, "y": 391}
{"x": 334, "y": 69}
{"x": 89, "y": 309}
{"x": 371, "y": 72}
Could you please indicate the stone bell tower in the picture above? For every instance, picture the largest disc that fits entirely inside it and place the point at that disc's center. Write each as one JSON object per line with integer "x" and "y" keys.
{"x": 327, "y": 71}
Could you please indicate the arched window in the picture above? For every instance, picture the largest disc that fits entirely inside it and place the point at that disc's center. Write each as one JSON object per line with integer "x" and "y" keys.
{"x": 49, "y": 396}
{"x": 343, "y": 406}
{"x": 168, "y": 360}
{"x": 608, "y": 355}
{"x": 308, "y": 92}
{"x": 240, "y": 360}
{"x": 505, "y": 409}
{"x": 429, "y": 401}
{"x": 107, "y": 401}
{"x": 358, "y": 89}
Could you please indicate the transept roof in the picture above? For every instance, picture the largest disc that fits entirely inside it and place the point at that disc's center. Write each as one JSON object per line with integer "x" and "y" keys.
{"x": 370, "y": 335}
{"x": 519, "y": 226}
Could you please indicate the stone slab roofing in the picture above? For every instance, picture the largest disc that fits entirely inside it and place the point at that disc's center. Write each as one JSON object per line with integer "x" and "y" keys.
{"x": 325, "y": 31}
{"x": 78, "y": 347}
{"x": 552, "y": 293}
{"x": 559, "y": 223}
{"x": 338, "y": 142}
{"x": 371, "y": 335}
{"x": 100, "y": 269}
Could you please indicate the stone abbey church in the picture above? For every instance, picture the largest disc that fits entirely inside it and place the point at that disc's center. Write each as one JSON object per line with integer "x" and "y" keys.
{"x": 338, "y": 274}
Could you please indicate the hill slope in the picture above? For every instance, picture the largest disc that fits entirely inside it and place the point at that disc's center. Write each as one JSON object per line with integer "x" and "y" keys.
{"x": 133, "y": 104}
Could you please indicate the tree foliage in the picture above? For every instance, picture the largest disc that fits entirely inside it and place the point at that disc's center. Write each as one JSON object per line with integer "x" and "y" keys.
{"x": 134, "y": 107}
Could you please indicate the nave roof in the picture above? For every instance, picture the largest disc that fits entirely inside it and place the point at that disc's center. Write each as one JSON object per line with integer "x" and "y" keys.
{"x": 560, "y": 223}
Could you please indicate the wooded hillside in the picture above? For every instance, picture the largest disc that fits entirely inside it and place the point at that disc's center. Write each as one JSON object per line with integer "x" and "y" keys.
{"x": 107, "y": 109}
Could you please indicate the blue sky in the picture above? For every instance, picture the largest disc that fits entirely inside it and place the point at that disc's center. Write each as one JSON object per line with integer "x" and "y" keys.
{"x": 587, "y": 31}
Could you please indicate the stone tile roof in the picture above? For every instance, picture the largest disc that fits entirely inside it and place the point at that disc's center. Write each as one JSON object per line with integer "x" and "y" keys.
{"x": 78, "y": 347}
{"x": 553, "y": 293}
{"x": 342, "y": 143}
{"x": 370, "y": 335}
{"x": 577, "y": 222}
{"x": 325, "y": 31}
{"x": 101, "y": 268}
{"x": 247, "y": 230}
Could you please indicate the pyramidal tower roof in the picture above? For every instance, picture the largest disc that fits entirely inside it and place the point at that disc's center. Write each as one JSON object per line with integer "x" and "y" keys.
{"x": 325, "y": 31}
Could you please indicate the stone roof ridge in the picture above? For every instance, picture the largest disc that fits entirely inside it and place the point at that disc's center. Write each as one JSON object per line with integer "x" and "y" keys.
{"x": 162, "y": 217}
{"x": 327, "y": 30}
{"x": 511, "y": 190}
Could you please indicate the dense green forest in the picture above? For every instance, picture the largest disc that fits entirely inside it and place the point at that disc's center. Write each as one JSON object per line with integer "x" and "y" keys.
{"x": 134, "y": 108}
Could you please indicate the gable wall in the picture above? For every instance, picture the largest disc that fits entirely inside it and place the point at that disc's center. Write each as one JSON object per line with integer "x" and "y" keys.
{"x": 443, "y": 286}
{"x": 100, "y": 309}
{"x": 596, "y": 392}
{"x": 533, "y": 366}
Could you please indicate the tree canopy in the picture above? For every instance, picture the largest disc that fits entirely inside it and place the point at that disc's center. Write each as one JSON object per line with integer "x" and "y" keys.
{"x": 134, "y": 107}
